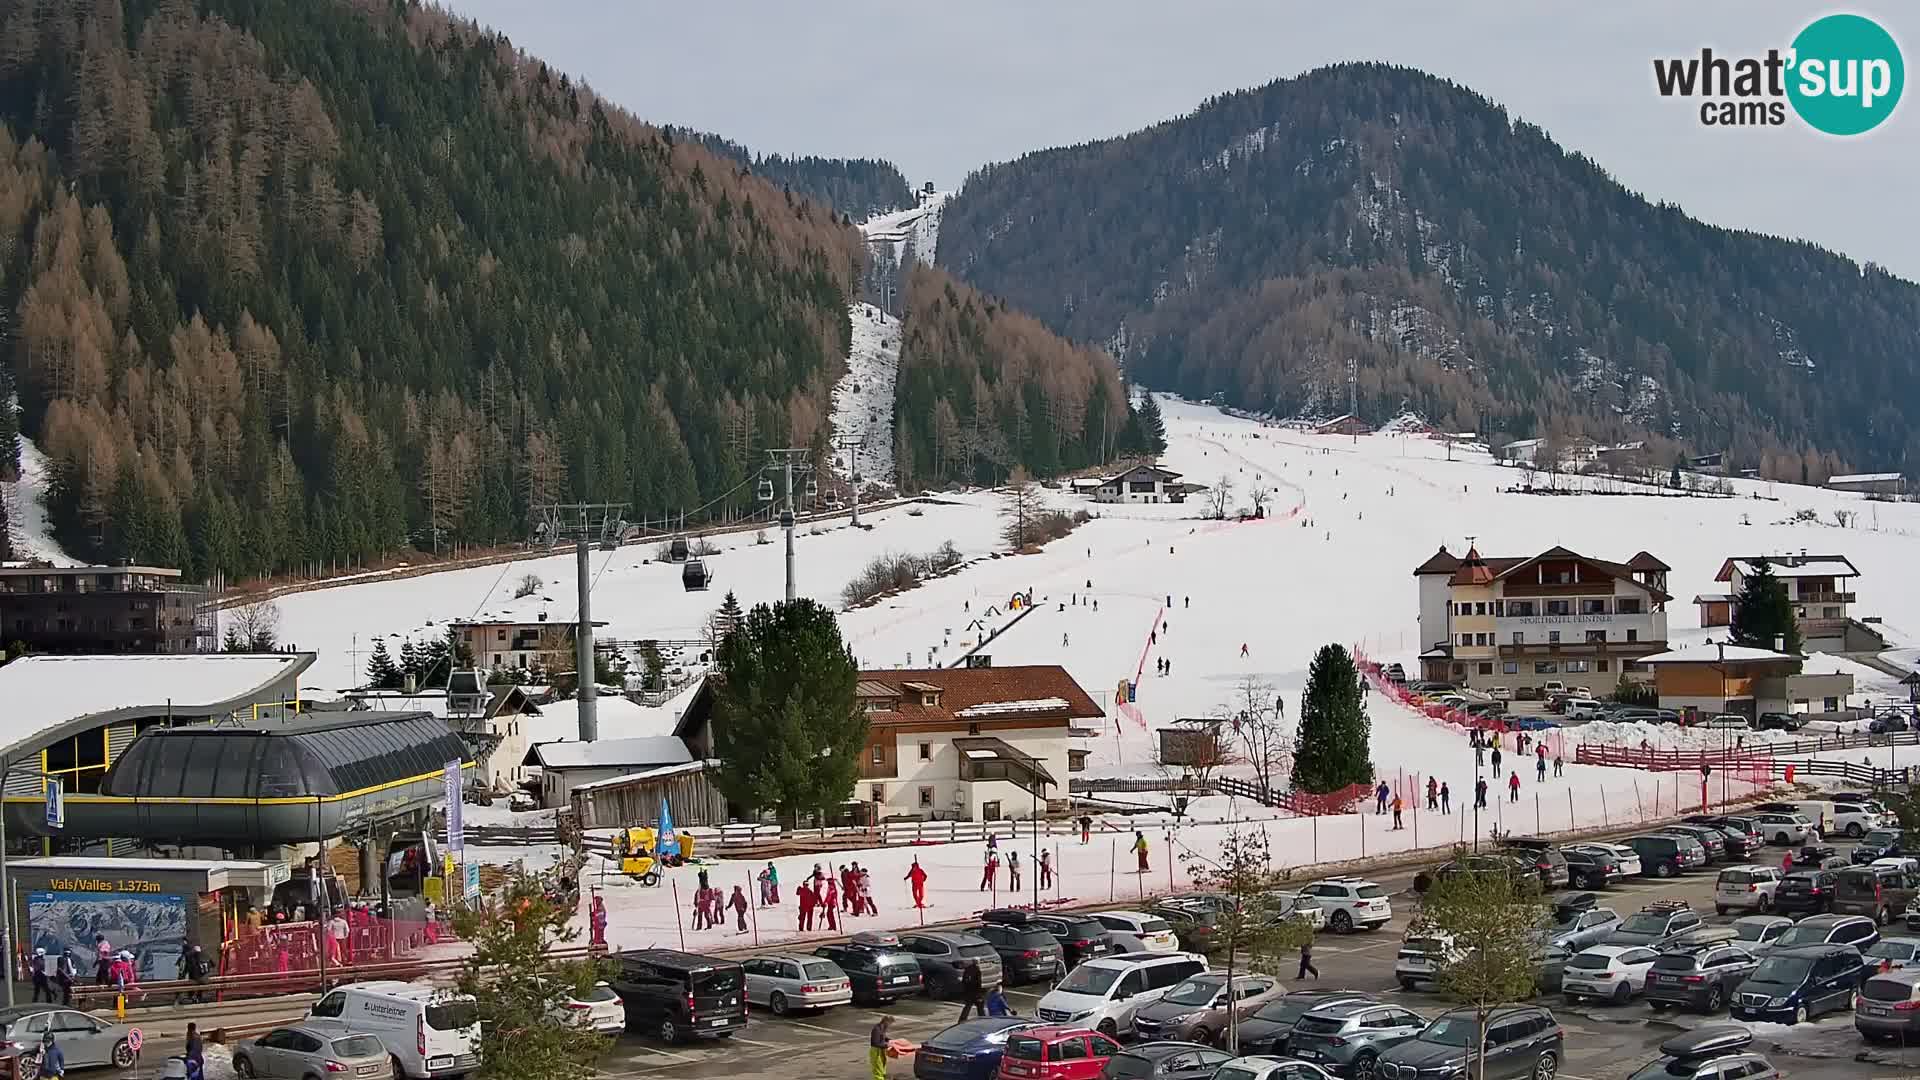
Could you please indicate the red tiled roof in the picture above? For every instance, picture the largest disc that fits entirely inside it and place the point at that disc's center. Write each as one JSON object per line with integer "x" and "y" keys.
{"x": 1473, "y": 570}
{"x": 1440, "y": 562}
{"x": 1645, "y": 561}
{"x": 965, "y": 688}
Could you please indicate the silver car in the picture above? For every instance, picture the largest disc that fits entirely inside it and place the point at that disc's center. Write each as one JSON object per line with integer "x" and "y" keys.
{"x": 1578, "y": 928}
{"x": 84, "y": 1039}
{"x": 784, "y": 982}
{"x": 304, "y": 1053}
{"x": 1349, "y": 1038}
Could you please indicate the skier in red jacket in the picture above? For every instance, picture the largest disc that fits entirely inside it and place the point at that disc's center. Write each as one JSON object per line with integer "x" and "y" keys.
{"x": 917, "y": 877}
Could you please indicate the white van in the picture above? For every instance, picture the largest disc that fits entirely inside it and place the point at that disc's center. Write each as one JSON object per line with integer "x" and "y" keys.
{"x": 1103, "y": 994}
{"x": 430, "y": 1032}
{"x": 1137, "y": 931}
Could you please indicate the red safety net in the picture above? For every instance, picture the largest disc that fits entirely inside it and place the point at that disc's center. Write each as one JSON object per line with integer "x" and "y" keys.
{"x": 295, "y": 946}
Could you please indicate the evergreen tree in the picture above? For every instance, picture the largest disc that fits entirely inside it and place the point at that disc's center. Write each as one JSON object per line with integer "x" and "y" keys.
{"x": 787, "y": 729}
{"x": 1153, "y": 427}
{"x": 382, "y": 672}
{"x": 1674, "y": 480}
{"x": 1332, "y": 746}
{"x": 1762, "y": 612}
{"x": 410, "y": 662}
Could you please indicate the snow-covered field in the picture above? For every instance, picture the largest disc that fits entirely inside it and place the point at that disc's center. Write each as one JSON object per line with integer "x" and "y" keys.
{"x": 1332, "y": 563}
{"x": 27, "y": 509}
{"x": 863, "y": 399}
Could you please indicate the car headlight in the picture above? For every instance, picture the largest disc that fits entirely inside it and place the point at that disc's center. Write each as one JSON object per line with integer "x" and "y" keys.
{"x": 1776, "y": 1002}
{"x": 1082, "y": 1015}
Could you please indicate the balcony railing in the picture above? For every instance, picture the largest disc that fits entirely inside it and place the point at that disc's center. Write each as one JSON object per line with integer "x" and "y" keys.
{"x": 1825, "y": 598}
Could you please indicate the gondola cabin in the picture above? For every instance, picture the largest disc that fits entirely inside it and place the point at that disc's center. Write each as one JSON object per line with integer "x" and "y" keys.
{"x": 694, "y": 576}
{"x": 677, "y": 550}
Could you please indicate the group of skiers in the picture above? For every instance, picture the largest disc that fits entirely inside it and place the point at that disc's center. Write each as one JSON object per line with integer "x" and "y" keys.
{"x": 990, "y": 875}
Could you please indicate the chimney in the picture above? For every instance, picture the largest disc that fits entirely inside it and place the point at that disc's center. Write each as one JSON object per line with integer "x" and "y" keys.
{"x": 409, "y": 684}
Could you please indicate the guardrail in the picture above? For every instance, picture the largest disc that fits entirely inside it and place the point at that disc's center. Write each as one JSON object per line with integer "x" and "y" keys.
{"x": 1662, "y": 759}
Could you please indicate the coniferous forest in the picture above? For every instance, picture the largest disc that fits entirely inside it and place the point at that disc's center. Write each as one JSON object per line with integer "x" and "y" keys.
{"x": 298, "y": 284}
{"x": 859, "y": 188}
{"x": 1470, "y": 268}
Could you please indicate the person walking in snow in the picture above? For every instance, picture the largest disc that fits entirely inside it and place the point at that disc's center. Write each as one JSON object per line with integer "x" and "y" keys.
{"x": 1513, "y": 787}
{"x": 1433, "y": 794}
{"x": 1046, "y": 869}
{"x": 700, "y": 908}
{"x": 1540, "y": 769}
{"x": 765, "y": 891}
{"x": 1243, "y": 648}
{"x": 1446, "y": 797}
{"x": 1153, "y": 637}
{"x": 804, "y": 894}
{"x": 1189, "y": 601}
{"x": 866, "y": 891}
{"x": 739, "y": 906}
{"x": 1480, "y": 793}
{"x": 1396, "y": 812}
{"x": 991, "y": 871}
{"x": 1140, "y": 848}
{"x": 1013, "y": 871}
{"x": 1086, "y": 830}
{"x": 773, "y": 883}
{"x": 917, "y": 881}
{"x": 1380, "y": 797}
{"x": 1063, "y": 641}
{"x": 1496, "y": 759}
{"x": 1558, "y": 764}
{"x": 846, "y": 889}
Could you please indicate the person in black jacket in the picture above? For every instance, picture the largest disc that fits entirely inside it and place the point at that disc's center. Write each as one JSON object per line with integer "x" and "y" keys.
{"x": 970, "y": 991}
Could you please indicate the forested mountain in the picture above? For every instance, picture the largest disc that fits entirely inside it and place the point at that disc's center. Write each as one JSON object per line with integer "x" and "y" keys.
{"x": 858, "y": 188}
{"x": 983, "y": 388}
{"x": 297, "y": 283}
{"x": 1472, "y": 268}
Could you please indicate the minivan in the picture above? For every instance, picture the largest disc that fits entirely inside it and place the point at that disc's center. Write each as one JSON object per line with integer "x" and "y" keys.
{"x": 1880, "y": 893}
{"x": 1667, "y": 855}
{"x": 429, "y": 1031}
{"x": 1103, "y": 994}
{"x": 679, "y": 995}
{"x": 1798, "y": 984}
{"x": 1889, "y": 1007}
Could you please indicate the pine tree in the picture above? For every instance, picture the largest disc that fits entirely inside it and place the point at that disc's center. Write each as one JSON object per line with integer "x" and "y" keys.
{"x": 382, "y": 672}
{"x": 410, "y": 662}
{"x": 787, "y": 728}
{"x": 1762, "y": 612}
{"x": 1332, "y": 748}
{"x": 1153, "y": 427}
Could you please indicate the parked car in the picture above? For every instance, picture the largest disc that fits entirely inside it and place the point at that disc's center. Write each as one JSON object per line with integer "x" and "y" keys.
{"x": 1197, "y": 1009}
{"x": 1421, "y": 958}
{"x": 1551, "y": 967}
{"x": 1888, "y": 1009}
{"x": 1746, "y": 888}
{"x": 1523, "y": 1041}
{"x": 1584, "y": 708}
{"x": 1027, "y": 953}
{"x": 1270, "y": 1030}
{"x": 1136, "y": 931}
{"x": 1816, "y": 855}
{"x": 1630, "y": 865}
{"x": 1740, "y": 843}
{"x": 1716, "y": 1051}
{"x": 1165, "y": 1061}
{"x": 1532, "y": 723}
{"x": 784, "y": 982}
{"x": 1548, "y": 862}
{"x": 1698, "y": 979}
{"x": 1855, "y": 930}
{"x": 878, "y": 969}
{"x": 1805, "y": 892}
{"x": 1882, "y": 844}
{"x": 1056, "y": 1053}
{"x": 1270, "y": 1068}
{"x": 1104, "y": 994}
{"x": 1590, "y": 867}
{"x": 1893, "y": 953}
{"x": 1912, "y": 915}
{"x": 1887, "y": 723}
{"x": 1793, "y": 985}
{"x": 1293, "y": 905}
{"x": 1607, "y": 973}
{"x": 1501, "y": 693}
{"x": 1784, "y": 829}
{"x": 1578, "y": 927}
{"x": 1193, "y": 927}
{"x": 1517, "y": 865}
{"x": 1348, "y": 1039}
{"x": 1652, "y": 926}
{"x": 1352, "y": 903}
{"x": 1711, "y": 839}
{"x": 301, "y": 1053}
{"x": 1081, "y": 938}
{"x": 597, "y": 1008}
{"x": 1757, "y": 933}
{"x": 944, "y": 956}
{"x": 969, "y": 1050}
{"x": 679, "y": 995}
{"x": 1727, "y": 722}
{"x": 1779, "y": 721}
{"x": 1666, "y": 855}
{"x": 1879, "y": 892}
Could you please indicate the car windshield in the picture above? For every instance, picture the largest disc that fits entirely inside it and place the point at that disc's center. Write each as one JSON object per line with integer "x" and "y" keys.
{"x": 821, "y": 970}
{"x": 1592, "y": 961}
{"x": 452, "y": 1015}
{"x": 721, "y": 981}
{"x": 1675, "y": 962}
{"x": 1081, "y": 929}
{"x": 1195, "y": 992}
{"x": 1790, "y": 970}
{"x": 1128, "y": 1065}
{"x": 1880, "y": 838}
{"x": 1369, "y": 892}
{"x": 1567, "y": 918}
{"x": 1154, "y": 926}
{"x": 1234, "y": 1072}
{"x": 1450, "y": 1031}
{"x": 358, "y": 1046}
{"x": 1802, "y": 935}
{"x": 1025, "y": 1048}
{"x": 597, "y": 992}
{"x": 1740, "y": 877}
{"x": 979, "y": 952}
{"x": 1286, "y": 1010}
{"x": 1644, "y": 924}
{"x": 1088, "y": 979}
{"x": 1892, "y": 949}
{"x": 1750, "y": 931}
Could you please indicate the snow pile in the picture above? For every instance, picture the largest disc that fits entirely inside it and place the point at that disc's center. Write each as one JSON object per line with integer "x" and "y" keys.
{"x": 863, "y": 399}
{"x": 27, "y": 509}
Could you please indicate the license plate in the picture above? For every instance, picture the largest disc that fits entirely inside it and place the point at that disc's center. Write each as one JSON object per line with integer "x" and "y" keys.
{"x": 369, "y": 1070}
{"x": 898, "y": 979}
{"x": 717, "y": 1023}
{"x": 439, "y": 1062}
{"x": 1308, "y": 1055}
{"x": 931, "y": 1058}
{"x": 1874, "y": 1010}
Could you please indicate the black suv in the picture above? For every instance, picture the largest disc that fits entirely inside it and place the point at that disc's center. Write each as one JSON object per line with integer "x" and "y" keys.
{"x": 1080, "y": 938}
{"x": 1806, "y": 891}
{"x": 1548, "y": 862}
{"x": 1701, "y": 979}
{"x": 679, "y": 996}
{"x": 878, "y": 969}
{"x": 1026, "y": 952}
{"x": 1522, "y": 1041}
{"x": 1656, "y": 924}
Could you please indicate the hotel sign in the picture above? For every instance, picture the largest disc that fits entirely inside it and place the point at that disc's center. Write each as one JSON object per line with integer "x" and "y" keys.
{"x": 1556, "y": 620}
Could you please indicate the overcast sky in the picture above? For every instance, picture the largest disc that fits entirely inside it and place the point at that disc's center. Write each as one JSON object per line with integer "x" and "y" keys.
{"x": 940, "y": 89}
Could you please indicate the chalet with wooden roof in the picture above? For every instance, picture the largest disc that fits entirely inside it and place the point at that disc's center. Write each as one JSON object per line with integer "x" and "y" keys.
{"x": 973, "y": 744}
{"x": 1822, "y": 592}
{"x": 1525, "y": 621}
{"x": 1143, "y": 484}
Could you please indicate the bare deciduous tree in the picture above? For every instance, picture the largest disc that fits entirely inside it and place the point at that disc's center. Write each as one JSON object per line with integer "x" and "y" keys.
{"x": 1192, "y": 751}
{"x": 1220, "y": 496}
{"x": 1257, "y": 715}
{"x": 1020, "y": 505}
{"x": 1260, "y": 495}
{"x": 252, "y": 627}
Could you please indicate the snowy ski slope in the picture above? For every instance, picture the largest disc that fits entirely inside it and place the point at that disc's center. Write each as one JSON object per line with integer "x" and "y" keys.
{"x": 863, "y": 399}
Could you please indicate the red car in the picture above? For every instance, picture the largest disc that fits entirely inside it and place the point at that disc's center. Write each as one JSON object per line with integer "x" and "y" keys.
{"x": 1056, "y": 1053}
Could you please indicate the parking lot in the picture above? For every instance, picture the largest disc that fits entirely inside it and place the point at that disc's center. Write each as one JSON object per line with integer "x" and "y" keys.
{"x": 1603, "y": 1042}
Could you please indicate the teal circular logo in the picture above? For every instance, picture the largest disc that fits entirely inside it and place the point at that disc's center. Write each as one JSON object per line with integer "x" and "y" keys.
{"x": 1847, "y": 74}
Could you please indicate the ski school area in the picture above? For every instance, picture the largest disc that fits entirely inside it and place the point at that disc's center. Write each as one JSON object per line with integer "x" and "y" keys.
{"x": 1184, "y": 611}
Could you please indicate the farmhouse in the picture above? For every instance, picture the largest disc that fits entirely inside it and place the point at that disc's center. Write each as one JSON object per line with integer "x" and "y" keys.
{"x": 1142, "y": 484}
{"x": 1820, "y": 587}
{"x": 1722, "y": 678}
{"x": 566, "y": 766}
{"x": 1525, "y": 621}
{"x": 498, "y": 644}
{"x": 1886, "y": 483}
